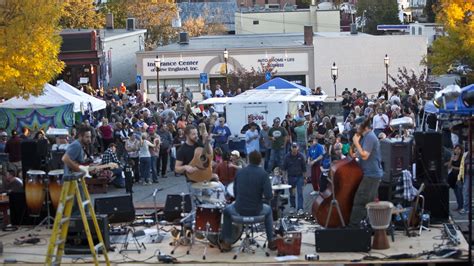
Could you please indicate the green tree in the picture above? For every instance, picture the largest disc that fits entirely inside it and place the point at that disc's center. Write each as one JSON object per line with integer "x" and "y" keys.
{"x": 29, "y": 46}
{"x": 155, "y": 16}
{"x": 119, "y": 9}
{"x": 457, "y": 45}
{"x": 250, "y": 78}
{"x": 377, "y": 12}
{"x": 80, "y": 14}
{"x": 406, "y": 79}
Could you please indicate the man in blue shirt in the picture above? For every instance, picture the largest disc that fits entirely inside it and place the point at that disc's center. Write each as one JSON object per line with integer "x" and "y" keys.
{"x": 221, "y": 135}
{"x": 367, "y": 148}
{"x": 75, "y": 154}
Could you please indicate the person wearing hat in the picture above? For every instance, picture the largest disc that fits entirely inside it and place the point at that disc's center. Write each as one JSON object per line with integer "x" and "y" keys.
{"x": 367, "y": 149}
{"x": 369, "y": 109}
{"x": 279, "y": 137}
{"x": 236, "y": 161}
{"x": 294, "y": 165}
{"x": 221, "y": 134}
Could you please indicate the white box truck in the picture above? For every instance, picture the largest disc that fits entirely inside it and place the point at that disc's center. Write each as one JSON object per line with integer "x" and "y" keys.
{"x": 261, "y": 105}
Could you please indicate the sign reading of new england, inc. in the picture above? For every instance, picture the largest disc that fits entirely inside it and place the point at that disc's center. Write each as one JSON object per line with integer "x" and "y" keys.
{"x": 194, "y": 65}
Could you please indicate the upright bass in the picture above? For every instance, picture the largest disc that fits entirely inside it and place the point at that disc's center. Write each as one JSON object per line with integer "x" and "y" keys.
{"x": 346, "y": 176}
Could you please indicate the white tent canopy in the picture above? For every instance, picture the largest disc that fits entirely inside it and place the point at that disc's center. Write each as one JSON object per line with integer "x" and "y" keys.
{"x": 85, "y": 99}
{"x": 51, "y": 97}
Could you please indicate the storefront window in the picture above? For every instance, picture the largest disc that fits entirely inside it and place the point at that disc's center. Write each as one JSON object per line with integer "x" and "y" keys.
{"x": 192, "y": 84}
{"x": 151, "y": 86}
{"x": 174, "y": 83}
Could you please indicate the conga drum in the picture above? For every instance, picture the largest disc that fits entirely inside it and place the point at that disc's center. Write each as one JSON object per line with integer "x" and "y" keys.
{"x": 55, "y": 185}
{"x": 380, "y": 214}
{"x": 34, "y": 191}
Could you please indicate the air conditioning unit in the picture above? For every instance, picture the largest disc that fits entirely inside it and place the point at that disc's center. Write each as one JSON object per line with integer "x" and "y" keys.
{"x": 130, "y": 23}
{"x": 183, "y": 38}
{"x": 272, "y": 6}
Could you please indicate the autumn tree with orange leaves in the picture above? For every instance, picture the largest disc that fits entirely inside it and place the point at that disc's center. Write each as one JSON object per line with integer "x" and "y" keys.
{"x": 29, "y": 46}
{"x": 457, "y": 44}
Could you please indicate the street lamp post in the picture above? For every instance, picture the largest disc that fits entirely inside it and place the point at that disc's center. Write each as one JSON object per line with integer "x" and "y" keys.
{"x": 386, "y": 61}
{"x": 334, "y": 77}
{"x": 226, "y": 58}
{"x": 157, "y": 68}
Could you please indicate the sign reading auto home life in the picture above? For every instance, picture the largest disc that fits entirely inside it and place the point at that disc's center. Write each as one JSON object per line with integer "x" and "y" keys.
{"x": 175, "y": 66}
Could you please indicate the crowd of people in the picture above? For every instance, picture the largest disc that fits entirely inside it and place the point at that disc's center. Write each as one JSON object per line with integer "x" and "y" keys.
{"x": 147, "y": 135}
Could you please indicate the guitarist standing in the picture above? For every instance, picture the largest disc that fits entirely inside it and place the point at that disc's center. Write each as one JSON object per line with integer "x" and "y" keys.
{"x": 185, "y": 153}
{"x": 75, "y": 153}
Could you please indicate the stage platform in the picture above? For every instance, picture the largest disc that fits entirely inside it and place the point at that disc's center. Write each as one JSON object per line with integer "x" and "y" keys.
{"x": 428, "y": 241}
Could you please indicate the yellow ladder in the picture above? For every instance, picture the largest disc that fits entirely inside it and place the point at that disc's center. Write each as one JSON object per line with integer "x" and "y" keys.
{"x": 73, "y": 185}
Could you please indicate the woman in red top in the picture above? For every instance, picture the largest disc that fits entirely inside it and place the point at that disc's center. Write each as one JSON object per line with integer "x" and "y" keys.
{"x": 107, "y": 133}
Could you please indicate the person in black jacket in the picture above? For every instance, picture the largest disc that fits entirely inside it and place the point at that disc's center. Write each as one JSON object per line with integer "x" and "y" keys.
{"x": 295, "y": 166}
{"x": 251, "y": 185}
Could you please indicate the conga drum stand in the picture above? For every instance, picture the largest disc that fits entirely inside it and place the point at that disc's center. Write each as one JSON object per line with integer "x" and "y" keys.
{"x": 48, "y": 218}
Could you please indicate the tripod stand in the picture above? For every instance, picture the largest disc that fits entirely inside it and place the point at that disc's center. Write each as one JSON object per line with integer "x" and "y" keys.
{"x": 334, "y": 204}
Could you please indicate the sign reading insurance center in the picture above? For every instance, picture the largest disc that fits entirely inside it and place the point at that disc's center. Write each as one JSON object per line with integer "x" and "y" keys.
{"x": 176, "y": 66}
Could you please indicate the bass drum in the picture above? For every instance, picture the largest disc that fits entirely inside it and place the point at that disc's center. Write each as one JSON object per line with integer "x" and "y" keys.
{"x": 237, "y": 230}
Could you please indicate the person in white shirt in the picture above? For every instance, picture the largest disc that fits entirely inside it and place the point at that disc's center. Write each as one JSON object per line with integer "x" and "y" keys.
{"x": 379, "y": 122}
{"x": 219, "y": 92}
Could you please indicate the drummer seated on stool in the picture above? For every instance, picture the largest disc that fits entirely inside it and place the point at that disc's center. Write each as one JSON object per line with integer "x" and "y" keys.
{"x": 251, "y": 185}
{"x": 110, "y": 156}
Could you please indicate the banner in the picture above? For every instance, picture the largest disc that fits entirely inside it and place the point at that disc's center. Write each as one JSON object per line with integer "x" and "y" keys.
{"x": 36, "y": 119}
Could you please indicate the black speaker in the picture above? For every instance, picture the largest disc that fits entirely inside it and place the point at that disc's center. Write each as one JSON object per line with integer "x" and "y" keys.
{"x": 76, "y": 241}
{"x": 437, "y": 202}
{"x": 343, "y": 240}
{"x": 119, "y": 209}
{"x": 174, "y": 208}
{"x": 396, "y": 156}
{"x": 30, "y": 159}
{"x": 428, "y": 154}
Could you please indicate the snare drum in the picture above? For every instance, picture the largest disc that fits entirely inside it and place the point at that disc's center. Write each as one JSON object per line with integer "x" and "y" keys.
{"x": 208, "y": 214}
{"x": 55, "y": 185}
{"x": 34, "y": 192}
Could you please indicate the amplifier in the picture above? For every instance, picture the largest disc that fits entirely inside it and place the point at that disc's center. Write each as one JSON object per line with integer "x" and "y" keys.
{"x": 119, "y": 209}
{"x": 76, "y": 240}
{"x": 343, "y": 240}
{"x": 173, "y": 208}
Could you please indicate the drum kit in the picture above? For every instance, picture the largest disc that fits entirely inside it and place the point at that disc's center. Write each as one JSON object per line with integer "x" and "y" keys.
{"x": 210, "y": 198}
{"x": 40, "y": 186}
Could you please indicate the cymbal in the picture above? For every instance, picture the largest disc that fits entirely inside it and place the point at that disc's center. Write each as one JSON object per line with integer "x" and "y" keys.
{"x": 281, "y": 186}
{"x": 205, "y": 185}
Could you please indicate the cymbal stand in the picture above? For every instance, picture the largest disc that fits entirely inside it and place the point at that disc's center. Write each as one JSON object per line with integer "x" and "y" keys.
{"x": 422, "y": 227}
{"x": 334, "y": 203}
{"x": 159, "y": 236}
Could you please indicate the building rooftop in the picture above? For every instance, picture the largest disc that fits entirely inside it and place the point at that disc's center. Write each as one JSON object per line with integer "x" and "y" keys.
{"x": 106, "y": 33}
{"x": 289, "y": 40}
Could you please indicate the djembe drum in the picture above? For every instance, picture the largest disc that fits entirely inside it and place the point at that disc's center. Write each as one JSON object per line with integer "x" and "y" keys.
{"x": 380, "y": 214}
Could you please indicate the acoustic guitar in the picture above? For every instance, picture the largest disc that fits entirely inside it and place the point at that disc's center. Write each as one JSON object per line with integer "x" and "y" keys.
{"x": 202, "y": 160}
{"x": 414, "y": 219}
